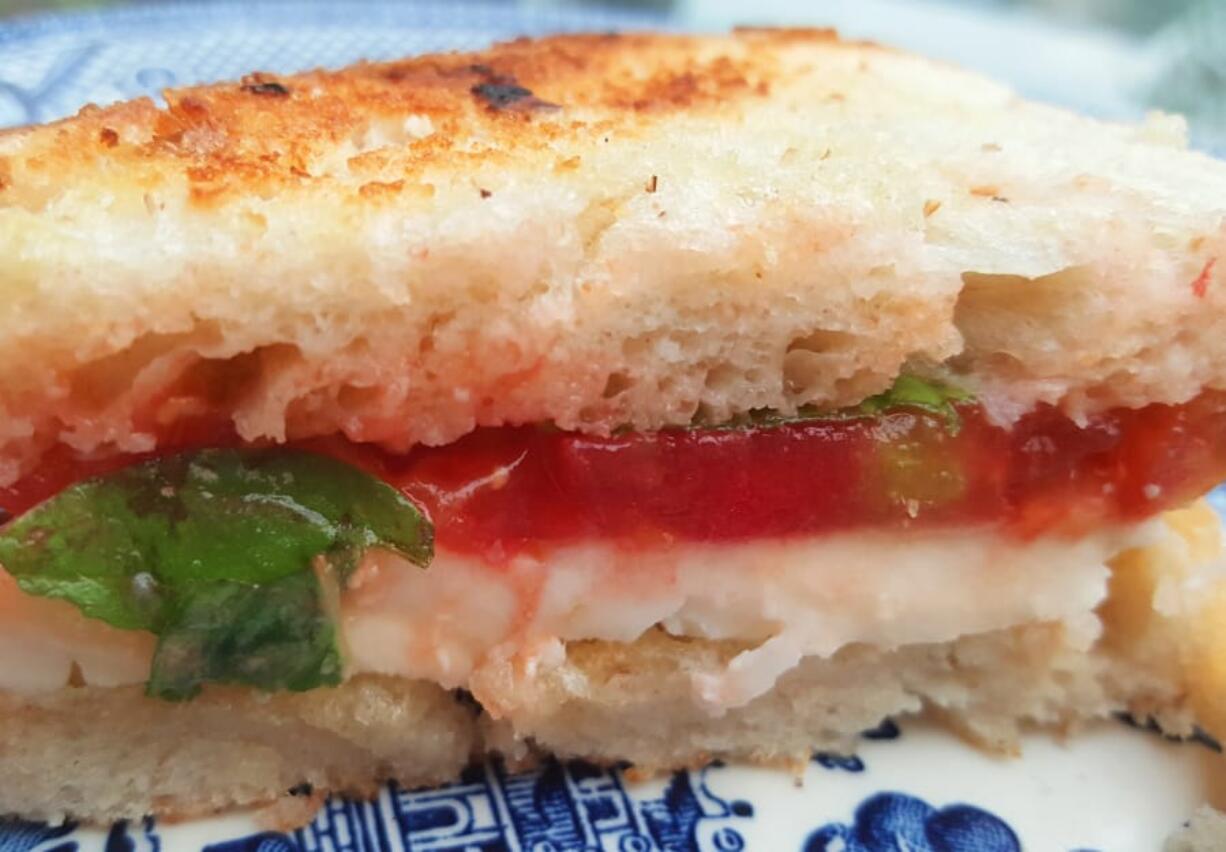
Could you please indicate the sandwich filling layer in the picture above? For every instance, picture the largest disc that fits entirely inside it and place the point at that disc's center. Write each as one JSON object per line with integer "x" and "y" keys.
{"x": 791, "y": 599}
{"x": 795, "y": 598}
{"x": 919, "y": 455}
{"x": 912, "y": 518}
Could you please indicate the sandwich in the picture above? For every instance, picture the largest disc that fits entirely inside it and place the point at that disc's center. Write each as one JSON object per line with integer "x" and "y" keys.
{"x": 635, "y": 398}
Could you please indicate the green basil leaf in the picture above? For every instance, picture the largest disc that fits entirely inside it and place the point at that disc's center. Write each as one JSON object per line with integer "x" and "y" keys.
{"x": 275, "y": 636}
{"x": 911, "y": 392}
{"x": 218, "y": 553}
{"x": 933, "y": 397}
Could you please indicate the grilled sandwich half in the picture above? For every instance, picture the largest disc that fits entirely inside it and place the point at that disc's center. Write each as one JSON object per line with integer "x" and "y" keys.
{"x": 646, "y": 398}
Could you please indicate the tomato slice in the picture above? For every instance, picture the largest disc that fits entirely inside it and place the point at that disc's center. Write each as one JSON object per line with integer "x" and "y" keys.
{"x": 501, "y": 491}
{"x": 509, "y": 490}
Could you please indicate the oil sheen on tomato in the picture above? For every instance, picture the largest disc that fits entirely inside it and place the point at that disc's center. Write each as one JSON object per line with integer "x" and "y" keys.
{"x": 501, "y": 491}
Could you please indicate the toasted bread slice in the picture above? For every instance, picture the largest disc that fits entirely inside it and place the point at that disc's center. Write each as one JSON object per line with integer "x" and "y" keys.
{"x": 104, "y": 754}
{"x": 595, "y": 231}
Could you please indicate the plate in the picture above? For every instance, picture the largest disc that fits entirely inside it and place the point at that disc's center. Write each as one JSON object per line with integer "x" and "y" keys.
{"x": 910, "y": 789}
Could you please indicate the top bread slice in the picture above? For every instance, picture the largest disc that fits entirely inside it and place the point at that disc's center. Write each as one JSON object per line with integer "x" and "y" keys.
{"x": 596, "y": 231}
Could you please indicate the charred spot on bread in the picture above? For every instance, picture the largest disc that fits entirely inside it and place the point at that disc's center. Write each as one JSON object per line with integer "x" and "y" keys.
{"x": 503, "y": 91}
{"x": 266, "y": 89}
{"x": 262, "y": 84}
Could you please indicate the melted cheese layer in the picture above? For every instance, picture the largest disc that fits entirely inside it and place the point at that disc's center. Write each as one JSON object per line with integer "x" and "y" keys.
{"x": 792, "y": 598}
{"x": 795, "y": 598}
{"x": 46, "y": 644}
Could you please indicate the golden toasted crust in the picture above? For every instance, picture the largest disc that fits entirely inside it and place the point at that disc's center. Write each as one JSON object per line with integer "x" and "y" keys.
{"x": 596, "y": 231}
{"x": 267, "y": 133}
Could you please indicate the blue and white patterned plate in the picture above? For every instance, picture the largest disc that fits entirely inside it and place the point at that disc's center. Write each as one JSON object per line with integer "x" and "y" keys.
{"x": 1111, "y": 788}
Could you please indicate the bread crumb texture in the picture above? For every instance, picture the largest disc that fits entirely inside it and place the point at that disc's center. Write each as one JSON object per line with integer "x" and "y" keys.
{"x": 595, "y": 231}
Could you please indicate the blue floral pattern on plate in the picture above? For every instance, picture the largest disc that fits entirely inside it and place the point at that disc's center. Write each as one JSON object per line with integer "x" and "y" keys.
{"x": 556, "y": 807}
{"x": 54, "y": 64}
{"x": 896, "y": 822}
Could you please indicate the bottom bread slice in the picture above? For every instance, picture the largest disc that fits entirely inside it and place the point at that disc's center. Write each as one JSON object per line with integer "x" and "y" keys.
{"x": 101, "y": 754}
{"x": 634, "y": 702}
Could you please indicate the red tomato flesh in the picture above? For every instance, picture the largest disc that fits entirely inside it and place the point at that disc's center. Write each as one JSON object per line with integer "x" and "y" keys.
{"x": 501, "y": 491}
